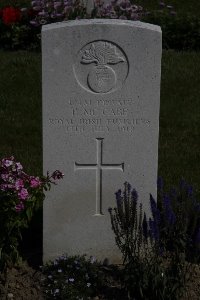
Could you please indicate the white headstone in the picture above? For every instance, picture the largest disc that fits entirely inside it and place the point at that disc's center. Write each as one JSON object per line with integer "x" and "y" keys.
{"x": 101, "y": 90}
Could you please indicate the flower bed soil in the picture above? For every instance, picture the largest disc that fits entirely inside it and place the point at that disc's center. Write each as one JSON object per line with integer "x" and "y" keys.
{"x": 25, "y": 283}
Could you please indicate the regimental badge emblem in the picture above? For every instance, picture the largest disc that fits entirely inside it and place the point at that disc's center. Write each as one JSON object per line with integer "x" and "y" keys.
{"x": 102, "y": 67}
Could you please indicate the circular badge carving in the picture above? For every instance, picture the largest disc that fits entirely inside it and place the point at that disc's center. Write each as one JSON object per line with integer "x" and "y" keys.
{"x": 101, "y": 67}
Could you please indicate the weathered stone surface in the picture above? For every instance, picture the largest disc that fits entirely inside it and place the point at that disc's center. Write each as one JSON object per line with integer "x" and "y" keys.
{"x": 101, "y": 90}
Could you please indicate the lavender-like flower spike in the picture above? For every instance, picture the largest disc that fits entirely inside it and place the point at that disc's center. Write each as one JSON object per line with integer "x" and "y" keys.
{"x": 118, "y": 197}
{"x": 155, "y": 211}
{"x": 145, "y": 227}
{"x": 189, "y": 191}
{"x": 169, "y": 214}
{"x": 160, "y": 183}
{"x": 128, "y": 187}
{"x": 154, "y": 230}
{"x": 134, "y": 195}
{"x": 197, "y": 237}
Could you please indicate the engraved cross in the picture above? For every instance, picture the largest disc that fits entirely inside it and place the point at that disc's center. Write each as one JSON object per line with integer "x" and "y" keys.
{"x": 99, "y": 167}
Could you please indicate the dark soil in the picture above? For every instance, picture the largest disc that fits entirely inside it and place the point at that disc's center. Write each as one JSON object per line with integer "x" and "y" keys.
{"x": 25, "y": 283}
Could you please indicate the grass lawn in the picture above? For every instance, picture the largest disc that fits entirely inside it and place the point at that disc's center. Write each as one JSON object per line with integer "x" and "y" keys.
{"x": 179, "y": 144}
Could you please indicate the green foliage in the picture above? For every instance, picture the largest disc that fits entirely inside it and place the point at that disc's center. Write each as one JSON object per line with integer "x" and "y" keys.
{"x": 19, "y": 35}
{"x": 155, "y": 277}
{"x": 72, "y": 277}
{"x": 180, "y": 27}
{"x": 180, "y": 32}
{"x": 151, "y": 271}
{"x": 176, "y": 235}
{"x": 126, "y": 223}
{"x": 20, "y": 196}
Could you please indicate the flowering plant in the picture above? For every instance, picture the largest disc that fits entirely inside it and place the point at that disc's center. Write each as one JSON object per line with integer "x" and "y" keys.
{"x": 20, "y": 195}
{"x": 53, "y": 11}
{"x": 15, "y": 29}
{"x": 155, "y": 250}
{"x": 11, "y": 15}
{"x": 72, "y": 277}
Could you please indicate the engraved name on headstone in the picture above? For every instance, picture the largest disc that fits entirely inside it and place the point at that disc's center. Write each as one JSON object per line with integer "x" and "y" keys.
{"x": 101, "y": 90}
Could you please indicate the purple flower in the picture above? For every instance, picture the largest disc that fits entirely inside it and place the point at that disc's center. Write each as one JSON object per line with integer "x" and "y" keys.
{"x": 37, "y": 8}
{"x": 19, "y": 207}
{"x": 145, "y": 226}
{"x": 34, "y": 23}
{"x": 134, "y": 16}
{"x": 128, "y": 187}
{"x": 35, "y": 182}
{"x": 118, "y": 197}
{"x": 59, "y": 15}
{"x": 169, "y": 214}
{"x": 155, "y": 211}
{"x": 7, "y": 162}
{"x": 43, "y": 14}
{"x": 183, "y": 184}
{"x": 19, "y": 184}
{"x": 160, "y": 183}
{"x": 123, "y": 18}
{"x": 189, "y": 190}
{"x": 3, "y": 187}
{"x": 23, "y": 194}
{"x": 154, "y": 230}
{"x": 5, "y": 177}
{"x": 134, "y": 195}
{"x": 162, "y": 4}
{"x": 173, "y": 13}
{"x": 197, "y": 237}
{"x": 57, "y": 175}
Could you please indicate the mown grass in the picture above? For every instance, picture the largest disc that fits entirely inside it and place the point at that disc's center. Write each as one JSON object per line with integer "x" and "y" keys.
{"x": 20, "y": 108}
{"x": 179, "y": 143}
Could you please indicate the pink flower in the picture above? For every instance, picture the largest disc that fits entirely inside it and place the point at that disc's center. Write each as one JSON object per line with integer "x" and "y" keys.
{"x": 23, "y": 194}
{"x": 5, "y": 177}
{"x": 3, "y": 187}
{"x": 7, "y": 162}
{"x": 19, "y": 207}
{"x": 35, "y": 182}
{"x": 19, "y": 184}
{"x": 19, "y": 166}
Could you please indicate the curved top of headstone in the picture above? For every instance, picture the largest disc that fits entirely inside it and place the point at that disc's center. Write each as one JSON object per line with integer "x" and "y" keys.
{"x": 86, "y": 22}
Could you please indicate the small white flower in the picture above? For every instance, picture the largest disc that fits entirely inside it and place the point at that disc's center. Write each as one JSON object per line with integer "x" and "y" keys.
{"x": 162, "y": 274}
{"x": 59, "y": 271}
{"x": 56, "y": 291}
{"x": 50, "y": 276}
{"x": 88, "y": 284}
{"x": 71, "y": 279}
{"x": 92, "y": 259}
